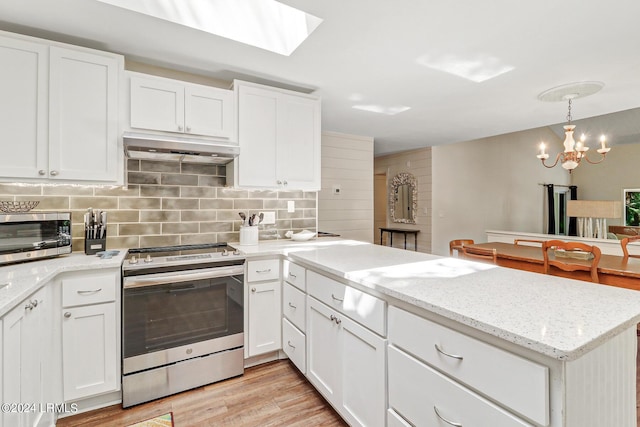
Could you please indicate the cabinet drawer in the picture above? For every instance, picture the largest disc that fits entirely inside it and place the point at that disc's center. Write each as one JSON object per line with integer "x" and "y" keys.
{"x": 293, "y": 344}
{"x": 495, "y": 373}
{"x": 425, "y": 397}
{"x": 293, "y": 305}
{"x": 89, "y": 289}
{"x": 361, "y": 307}
{"x": 264, "y": 269}
{"x": 295, "y": 274}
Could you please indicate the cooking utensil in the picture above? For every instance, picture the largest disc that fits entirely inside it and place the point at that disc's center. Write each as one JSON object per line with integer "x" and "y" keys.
{"x": 261, "y": 217}
{"x": 243, "y": 217}
{"x": 252, "y": 220}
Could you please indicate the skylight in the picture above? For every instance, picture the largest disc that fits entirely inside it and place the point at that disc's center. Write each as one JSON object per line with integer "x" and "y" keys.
{"x": 266, "y": 24}
{"x": 478, "y": 68}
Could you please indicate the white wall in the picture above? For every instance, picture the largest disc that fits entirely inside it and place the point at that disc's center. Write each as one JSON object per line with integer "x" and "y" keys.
{"x": 605, "y": 181}
{"x": 491, "y": 184}
{"x": 347, "y": 160}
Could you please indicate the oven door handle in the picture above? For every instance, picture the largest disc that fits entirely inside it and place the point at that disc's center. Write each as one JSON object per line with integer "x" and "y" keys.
{"x": 181, "y": 276}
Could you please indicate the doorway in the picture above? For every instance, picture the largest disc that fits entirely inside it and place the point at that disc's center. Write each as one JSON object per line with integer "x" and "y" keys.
{"x": 379, "y": 205}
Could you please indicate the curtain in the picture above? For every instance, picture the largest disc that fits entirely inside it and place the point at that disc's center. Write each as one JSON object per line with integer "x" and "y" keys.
{"x": 551, "y": 216}
{"x": 573, "y": 228}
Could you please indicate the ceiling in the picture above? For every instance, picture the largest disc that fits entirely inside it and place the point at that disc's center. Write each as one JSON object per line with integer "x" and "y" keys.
{"x": 374, "y": 52}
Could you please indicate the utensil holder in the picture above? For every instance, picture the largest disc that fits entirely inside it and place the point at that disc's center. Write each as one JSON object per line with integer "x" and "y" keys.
{"x": 248, "y": 235}
{"x": 93, "y": 246}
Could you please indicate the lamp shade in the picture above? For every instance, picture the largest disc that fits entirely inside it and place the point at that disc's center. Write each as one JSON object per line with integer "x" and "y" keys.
{"x": 594, "y": 208}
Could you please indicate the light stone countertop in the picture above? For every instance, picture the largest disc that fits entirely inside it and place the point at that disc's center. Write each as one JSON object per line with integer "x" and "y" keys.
{"x": 18, "y": 281}
{"x": 557, "y": 317}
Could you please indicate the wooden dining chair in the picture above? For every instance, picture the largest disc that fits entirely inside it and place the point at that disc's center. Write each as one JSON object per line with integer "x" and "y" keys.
{"x": 571, "y": 261}
{"x": 624, "y": 242}
{"x": 480, "y": 254}
{"x": 457, "y": 245}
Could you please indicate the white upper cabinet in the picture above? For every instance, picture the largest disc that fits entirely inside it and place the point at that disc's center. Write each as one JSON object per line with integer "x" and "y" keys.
{"x": 23, "y": 107}
{"x": 83, "y": 116}
{"x": 279, "y": 137}
{"x": 167, "y": 105}
{"x": 61, "y": 102}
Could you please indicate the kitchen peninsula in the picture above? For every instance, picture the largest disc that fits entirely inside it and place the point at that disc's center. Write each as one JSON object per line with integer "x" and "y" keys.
{"x": 552, "y": 351}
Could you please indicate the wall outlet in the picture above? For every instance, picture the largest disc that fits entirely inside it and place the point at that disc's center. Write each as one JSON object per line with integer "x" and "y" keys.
{"x": 337, "y": 190}
{"x": 291, "y": 206}
{"x": 269, "y": 217}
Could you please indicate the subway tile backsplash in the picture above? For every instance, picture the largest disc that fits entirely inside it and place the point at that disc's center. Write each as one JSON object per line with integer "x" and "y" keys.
{"x": 168, "y": 203}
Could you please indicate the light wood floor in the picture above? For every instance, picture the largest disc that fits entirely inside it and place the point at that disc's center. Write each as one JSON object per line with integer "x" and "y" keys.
{"x": 273, "y": 394}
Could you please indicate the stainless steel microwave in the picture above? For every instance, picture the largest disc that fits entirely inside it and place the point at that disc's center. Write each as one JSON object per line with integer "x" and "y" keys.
{"x": 31, "y": 236}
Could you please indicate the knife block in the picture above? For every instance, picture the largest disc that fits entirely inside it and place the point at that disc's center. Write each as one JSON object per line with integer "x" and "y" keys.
{"x": 93, "y": 246}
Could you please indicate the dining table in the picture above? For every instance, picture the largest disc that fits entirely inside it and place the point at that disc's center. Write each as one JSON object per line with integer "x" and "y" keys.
{"x": 613, "y": 270}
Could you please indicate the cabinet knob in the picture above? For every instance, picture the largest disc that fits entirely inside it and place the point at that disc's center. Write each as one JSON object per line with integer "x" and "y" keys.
{"x": 188, "y": 128}
{"x": 180, "y": 128}
{"x": 34, "y": 303}
{"x": 67, "y": 314}
{"x": 42, "y": 172}
{"x": 28, "y": 306}
{"x": 253, "y": 290}
{"x": 279, "y": 182}
{"x": 285, "y": 182}
{"x": 53, "y": 173}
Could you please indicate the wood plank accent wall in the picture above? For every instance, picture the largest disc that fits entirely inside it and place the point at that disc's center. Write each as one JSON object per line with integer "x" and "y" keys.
{"x": 418, "y": 163}
{"x": 347, "y": 161}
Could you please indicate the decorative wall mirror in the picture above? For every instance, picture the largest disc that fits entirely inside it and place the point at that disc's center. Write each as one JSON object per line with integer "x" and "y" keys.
{"x": 403, "y": 198}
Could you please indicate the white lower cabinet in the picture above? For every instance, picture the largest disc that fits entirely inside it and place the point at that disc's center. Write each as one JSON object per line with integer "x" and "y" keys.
{"x": 346, "y": 363}
{"x": 424, "y": 397}
{"x": 24, "y": 361}
{"x": 294, "y": 345}
{"x": 264, "y": 318}
{"x": 90, "y": 334}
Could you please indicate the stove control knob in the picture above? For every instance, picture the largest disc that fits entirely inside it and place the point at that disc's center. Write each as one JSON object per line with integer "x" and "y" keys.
{"x": 148, "y": 258}
{"x": 236, "y": 252}
{"x": 225, "y": 252}
{"x": 133, "y": 260}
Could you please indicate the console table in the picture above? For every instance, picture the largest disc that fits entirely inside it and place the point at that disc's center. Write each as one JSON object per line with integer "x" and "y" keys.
{"x": 403, "y": 231}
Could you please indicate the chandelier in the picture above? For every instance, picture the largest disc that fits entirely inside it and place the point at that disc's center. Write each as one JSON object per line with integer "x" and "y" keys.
{"x": 574, "y": 152}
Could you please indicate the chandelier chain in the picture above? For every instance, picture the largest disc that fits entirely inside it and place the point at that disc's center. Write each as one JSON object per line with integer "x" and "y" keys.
{"x": 569, "y": 112}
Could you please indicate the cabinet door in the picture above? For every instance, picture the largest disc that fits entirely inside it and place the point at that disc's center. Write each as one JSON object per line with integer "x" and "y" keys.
{"x": 323, "y": 350}
{"x": 257, "y": 136}
{"x": 264, "y": 318}
{"x": 363, "y": 374}
{"x": 22, "y": 359}
{"x": 298, "y": 157}
{"x": 23, "y": 108}
{"x": 157, "y": 105}
{"x": 83, "y": 116}
{"x": 89, "y": 351}
{"x": 209, "y": 111}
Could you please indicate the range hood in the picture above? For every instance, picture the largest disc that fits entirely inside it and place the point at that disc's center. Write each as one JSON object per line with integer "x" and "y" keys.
{"x": 146, "y": 146}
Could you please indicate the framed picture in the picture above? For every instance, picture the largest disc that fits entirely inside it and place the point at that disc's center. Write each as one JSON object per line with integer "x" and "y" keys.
{"x": 631, "y": 201}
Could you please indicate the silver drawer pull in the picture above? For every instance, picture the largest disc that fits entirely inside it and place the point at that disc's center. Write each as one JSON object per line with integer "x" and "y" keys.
{"x": 453, "y": 356}
{"x": 268, "y": 270}
{"x": 95, "y": 291}
{"x": 451, "y": 423}
{"x": 290, "y": 345}
{"x": 292, "y": 306}
{"x": 335, "y": 319}
{"x": 292, "y": 275}
{"x": 336, "y": 298}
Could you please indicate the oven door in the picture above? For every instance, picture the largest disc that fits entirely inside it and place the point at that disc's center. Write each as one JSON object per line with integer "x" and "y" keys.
{"x": 193, "y": 311}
